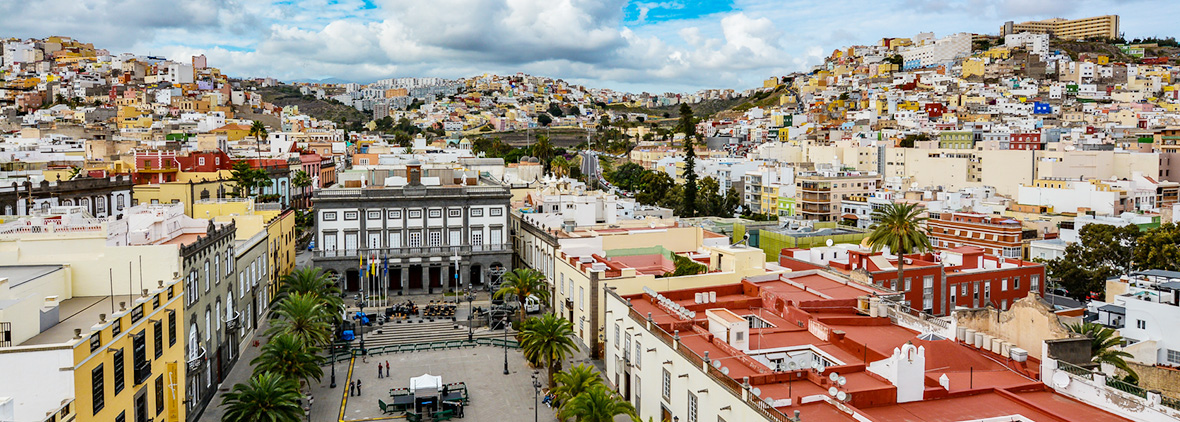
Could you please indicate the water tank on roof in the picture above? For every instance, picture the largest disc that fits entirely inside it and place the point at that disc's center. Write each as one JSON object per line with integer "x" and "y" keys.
{"x": 1018, "y": 354}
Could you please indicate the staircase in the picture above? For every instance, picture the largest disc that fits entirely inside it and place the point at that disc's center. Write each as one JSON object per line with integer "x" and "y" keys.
{"x": 393, "y": 333}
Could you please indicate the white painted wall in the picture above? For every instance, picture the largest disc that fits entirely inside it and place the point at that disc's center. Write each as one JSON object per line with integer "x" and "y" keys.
{"x": 52, "y": 385}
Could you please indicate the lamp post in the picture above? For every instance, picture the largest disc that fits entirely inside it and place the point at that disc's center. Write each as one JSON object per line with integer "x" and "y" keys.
{"x": 360, "y": 325}
{"x": 332, "y": 354}
{"x": 536, "y": 394}
{"x": 470, "y": 314}
{"x": 505, "y": 328}
{"x": 456, "y": 290}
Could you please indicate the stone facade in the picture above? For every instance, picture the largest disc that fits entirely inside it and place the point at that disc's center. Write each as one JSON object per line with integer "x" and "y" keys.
{"x": 101, "y": 197}
{"x": 207, "y": 265}
{"x": 1026, "y": 324}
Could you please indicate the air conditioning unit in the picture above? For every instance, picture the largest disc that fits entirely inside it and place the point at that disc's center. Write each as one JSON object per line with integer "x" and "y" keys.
{"x": 1019, "y": 355}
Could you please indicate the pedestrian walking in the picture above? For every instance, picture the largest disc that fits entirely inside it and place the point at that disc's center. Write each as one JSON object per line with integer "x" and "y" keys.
{"x": 352, "y": 388}
{"x": 378, "y": 370}
{"x": 358, "y": 387}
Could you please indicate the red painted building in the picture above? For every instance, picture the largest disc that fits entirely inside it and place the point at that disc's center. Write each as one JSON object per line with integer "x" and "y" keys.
{"x": 933, "y": 283}
{"x": 1025, "y": 141}
{"x": 205, "y": 161}
{"x": 935, "y": 110}
{"x": 154, "y": 167}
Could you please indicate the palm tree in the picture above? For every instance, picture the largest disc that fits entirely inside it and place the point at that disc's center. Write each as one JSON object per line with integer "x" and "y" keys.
{"x": 543, "y": 149}
{"x": 574, "y": 382}
{"x": 258, "y": 131}
{"x": 522, "y": 283}
{"x": 548, "y": 340}
{"x": 596, "y": 405}
{"x": 302, "y": 181}
{"x": 290, "y": 358}
{"x": 313, "y": 281}
{"x": 559, "y": 166}
{"x": 267, "y": 397}
{"x": 304, "y": 317}
{"x": 899, "y": 228}
{"x": 1104, "y": 346}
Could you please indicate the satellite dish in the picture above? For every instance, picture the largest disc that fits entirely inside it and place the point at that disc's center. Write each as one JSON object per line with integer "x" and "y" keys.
{"x": 832, "y": 391}
{"x": 757, "y": 391}
{"x": 716, "y": 364}
{"x": 819, "y": 369}
{"x": 793, "y": 365}
{"x": 834, "y": 376}
{"x": 1061, "y": 380}
{"x": 842, "y": 381}
{"x": 829, "y": 242}
{"x": 725, "y": 370}
{"x": 841, "y": 396}
{"x": 769, "y": 401}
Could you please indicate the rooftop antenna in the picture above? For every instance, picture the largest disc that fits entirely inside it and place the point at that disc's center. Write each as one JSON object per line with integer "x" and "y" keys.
{"x": 111, "y": 277}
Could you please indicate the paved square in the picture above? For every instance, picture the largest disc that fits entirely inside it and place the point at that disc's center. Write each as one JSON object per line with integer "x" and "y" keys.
{"x": 494, "y": 396}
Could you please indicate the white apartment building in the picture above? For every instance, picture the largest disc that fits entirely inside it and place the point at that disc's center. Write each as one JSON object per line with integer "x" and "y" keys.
{"x": 1035, "y": 43}
{"x": 929, "y": 52}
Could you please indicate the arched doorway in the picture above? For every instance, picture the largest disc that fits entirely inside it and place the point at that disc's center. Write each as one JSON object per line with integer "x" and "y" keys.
{"x": 476, "y": 276}
{"x": 352, "y": 280}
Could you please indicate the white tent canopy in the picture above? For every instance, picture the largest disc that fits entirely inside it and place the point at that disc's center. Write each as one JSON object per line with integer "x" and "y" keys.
{"x": 425, "y": 382}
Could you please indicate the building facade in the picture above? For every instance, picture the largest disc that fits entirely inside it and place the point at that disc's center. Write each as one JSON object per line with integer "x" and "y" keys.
{"x": 1106, "y": 27}
{"x": 819, "y": 194}
{"x": 207, "y": 265}
{"x": 99, "y": 197}
{"x": 996, "y": 235}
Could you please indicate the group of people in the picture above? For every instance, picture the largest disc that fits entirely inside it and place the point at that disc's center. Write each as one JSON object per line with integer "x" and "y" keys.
{"x": 354, "y": 388}
{"x": 382, "y": 371}
{"x": 439, "y": 309}
{"x": 402, "y": 310}
{"x": 550, "y": 399}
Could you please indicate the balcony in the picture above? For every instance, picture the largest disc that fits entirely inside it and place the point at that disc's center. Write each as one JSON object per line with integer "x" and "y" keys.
{"x": 195, "y": 363}
{"x": 234, "y": 323}
{"x": 143, "y": 371}
{"x": 411, "y": 252}
{"x": 819, "y": 199}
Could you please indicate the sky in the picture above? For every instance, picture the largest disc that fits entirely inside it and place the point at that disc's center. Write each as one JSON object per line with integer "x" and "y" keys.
{"x": 637, "y": 46}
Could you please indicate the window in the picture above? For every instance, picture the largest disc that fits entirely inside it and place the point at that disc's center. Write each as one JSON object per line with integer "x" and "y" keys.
{"x": 1141, "y": 324}
{"x": 415, "y": 214}
{"x": 171, "y": 329}
{"x": 200, "y": 161}
{"x": 373, "y": 215}
{"x": 928, "y": 293}
{"x": 454, "y": 212}
{"x": 627, "y": 347}
{"x": 217, "y": 270}
{"x": 158, "y": 337}
{"x": 394, "y": 214}
{"x": 1173, "y": 356}
{"x": 228, "y": 266}
{"x": 561, "y": 285}
{"x": 159, "y": 394}
{"x": 329, "y": 215}
{"x": 207, "y": 276}
{"x": 1016, "y": 283}
{"x": 116, "y": 327}
{"x": 1034, "y": 283}
{"x": 477, "y": 238}
{"x": 954, "y": 296}
{"x": 415, "y": 239}
{"x": 667, "y": 391}
{"x": 495, "y": 211}
{"x": 139, "y": 360}
{"x": 692, "y": 407}
{"x": 434, "y": 238}
{"x": 122, "y": 417}
{"x": 97, "y": 393}
{"x": 617, "y": 331}
{"x": 120, "y": 375}
{"x": 351, "y": 215}
{"x": 476, "y": 212}
{"x": 456, "y": 238}
{"x": 638, "y": 354}
{"x": 987, "y": 292}
{"x": 435, "y": 213}
{"x": 581, "y": 298}
{"x": 907, "y": 284}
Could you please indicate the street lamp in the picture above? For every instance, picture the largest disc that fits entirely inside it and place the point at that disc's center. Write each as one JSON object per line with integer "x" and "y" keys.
{"x": 505, "y": 328}
{"x": 360, "y": 326}
{"x": 470, "y": 314}
{"x": 536, "y": 394}
{"x": 332, "y": 354}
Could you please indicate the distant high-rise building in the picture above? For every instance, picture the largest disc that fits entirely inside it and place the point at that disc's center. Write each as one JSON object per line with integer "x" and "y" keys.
{"x": 1071, "y": 29}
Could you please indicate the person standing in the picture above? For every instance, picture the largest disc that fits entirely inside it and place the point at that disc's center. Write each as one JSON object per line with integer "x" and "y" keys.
{"x": 386, "y": 369}
{"x": 358, "y": 387}
{"x": 352, "y": 388}
{"x": 378, "y": 370}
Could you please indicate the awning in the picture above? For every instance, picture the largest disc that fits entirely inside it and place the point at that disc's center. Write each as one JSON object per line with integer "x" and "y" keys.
{"x": 850, "y": 217}
{"x": 425, "y": 382}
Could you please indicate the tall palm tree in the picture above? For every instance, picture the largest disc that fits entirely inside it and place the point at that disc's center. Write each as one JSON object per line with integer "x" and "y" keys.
{"x": 1104, "y": 346}
{"x": 596, "y": 405}
{"x": 258, "y": 131}
{"x": 548, "y": 340}
{"x": 313, "y": 281}
{"x": 575, "y": 381}
{"x": 899, "y": 228}
{"x": 288, "y": 357}
{"x": 267, "y": 397}
{"x": 543, "y": 149}
{"x": 522, "y": 283}
{"x": 304, "y": 317}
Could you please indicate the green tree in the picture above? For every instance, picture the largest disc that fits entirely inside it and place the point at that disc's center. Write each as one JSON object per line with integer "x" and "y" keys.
{"x": 555, "y": 110}
{"x": 899, "y": 228}
{"x": 289, "y": 358}
{"x": 690, "y": 161}
{"x": 247, "y": 179}
{"x": 547, "y": 340}
{"x": 543, "y": 149}
{"x": 402, "y": 139}
{"x": 301, "y": 180}
{"x": 1071, "y": 273}
{"x": 598, "y": 404}
{"x": 653, "y": 188}
{"x": 544, "y": 119}
{"x": 1104, "y": 345}
{"x": 1158, "y": 249}
{"x": 1110, "y": 246}
{"x": 267, "y": 397}
{"x": 559, "y": 166}
{"x": 732, "y": 201}
{"x": 522, "y": 283}
{"x": 575, "y": 381}
{"x": 627, "y": 176}
{"x": 575, "y": 111}
{"x": 709, "y": 199}
{"x": 258, "y": 131}
{"x": 313, "y": 281}
{"x": 303, "y": 316}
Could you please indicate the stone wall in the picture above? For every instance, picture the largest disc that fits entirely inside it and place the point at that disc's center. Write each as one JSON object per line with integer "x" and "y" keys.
{"x": 1162, "y": 378}
{"x": 1027, "y": 323}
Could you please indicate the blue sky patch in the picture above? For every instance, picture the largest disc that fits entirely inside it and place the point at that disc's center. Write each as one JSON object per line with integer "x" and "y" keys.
{"x": 650, "y": 11}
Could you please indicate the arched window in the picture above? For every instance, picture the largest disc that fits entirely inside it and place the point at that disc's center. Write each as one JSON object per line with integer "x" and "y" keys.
{"x": 204, "y": 194}
{"x": 217, "y": 270}
{"x": 207, "y": 276}
{"x": 194, "y": 346}
{"x": 101, "y": 203}
{"x": 119, "y": 202}
{"x": 67, "y": 202}
{"x": 217, "y": 311}
{"x": 208, "y": 328}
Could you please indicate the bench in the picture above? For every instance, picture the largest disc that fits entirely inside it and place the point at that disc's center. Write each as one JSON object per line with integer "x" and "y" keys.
{"x": 443, "y": 415}
{"x": 413, "y": 417}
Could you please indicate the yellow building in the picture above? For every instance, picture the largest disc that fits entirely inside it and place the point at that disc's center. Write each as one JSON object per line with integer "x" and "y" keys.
{"x": 280, "y": 233}
{"x": 1070, "y": 29}
{"x": 973, "y": 67}
{"x": 99, "y": 358}
{"x": 188, "y": 188}
{"x": 234, "y": 132}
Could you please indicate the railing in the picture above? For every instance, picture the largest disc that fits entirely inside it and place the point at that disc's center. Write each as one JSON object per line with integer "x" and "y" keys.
{"x": 424, "y": 250}
{"x": 143, "y": 371}
{"x": 1170, "y": 402}
{"x": 5, "y": 334}
{"x": 422, "y": 347}
{"x": 197, "y": 362}
{"x": 1124, "y": 386}
{"x": 1073, "y": 369}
